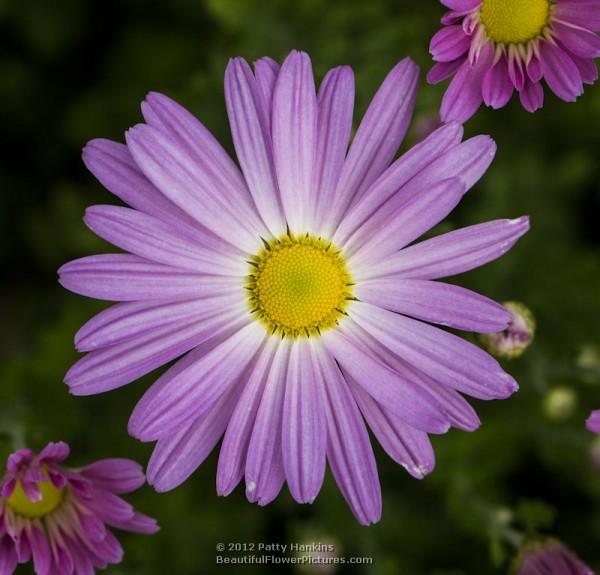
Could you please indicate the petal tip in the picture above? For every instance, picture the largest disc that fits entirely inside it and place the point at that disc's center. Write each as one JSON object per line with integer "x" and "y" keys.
{"x": 523, "y": 223}
{"x": 133, "y": 134}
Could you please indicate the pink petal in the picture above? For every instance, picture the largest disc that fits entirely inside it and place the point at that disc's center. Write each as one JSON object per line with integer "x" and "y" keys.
{"x": 581, "y": 41}
{"x": 171, "y": 404}
{"x": 232, "y": 458}
{"x": 443, "y": 70}
{"x": 458, "y": 411}
{"x": 532, "y": 96}
{"x": 125, "y": 321}
{"x": 115, "y": 168}
{"x": 336, "y": 106}
{"x": 407, "y": 446}
{"x": 408, "y": 401}
{"x": 264, "y": 475}
{"x": 266, "y": 71}
{"x": 115, "y": 475}
{"x": 449, "y": 43}
{"x": 534, "y": 69}
{"x": 378, "y": 137}
{"x": 464, "y": 96}
{"x": 439, "y": 354}
{"x": 584, "y": 13}
{"x": 497, "y": 87}
{"x": 190, "y": 136}
{"x": 560, "y": 72}
{"x": 587, "y": 68}
{"x": 516, "y": 71}
{"x": 349, "y": 450}
{"x": 436, "y": 302}
{"x": 249, "y": 121}
{"x": 125, "y": 277}
{"x": 461, "y": 5}
{"x": 177, "y": 456}
{"x": 452, "y": 253}
{"x": 304, "y": 425}
{"x": 416, "y": 160}
{"x": 118, "y": 365}
{"x": 397, "y": 224}
{"x": 295, "y": 139}
{"x": 155, "y": 240}
{"x": 198, "y": 187}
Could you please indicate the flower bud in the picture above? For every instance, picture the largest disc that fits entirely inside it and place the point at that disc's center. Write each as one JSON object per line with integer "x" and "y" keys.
{"x": 516, "y": 338}
{"x": 560, "y": 403}
{"x": 319, "y": 555}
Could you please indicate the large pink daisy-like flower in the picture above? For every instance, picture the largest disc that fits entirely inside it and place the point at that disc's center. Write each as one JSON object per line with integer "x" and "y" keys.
{"x": 58, "y": 518}
{"x": 291, "y": 284}
{"x": 494, "y": 47}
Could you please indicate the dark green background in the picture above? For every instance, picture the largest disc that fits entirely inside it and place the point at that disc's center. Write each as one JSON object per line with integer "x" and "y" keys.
{"x": 72, "y": 70}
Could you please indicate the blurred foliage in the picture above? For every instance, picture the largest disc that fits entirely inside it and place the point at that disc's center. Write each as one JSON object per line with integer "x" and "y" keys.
{"x": 73, "y": 70}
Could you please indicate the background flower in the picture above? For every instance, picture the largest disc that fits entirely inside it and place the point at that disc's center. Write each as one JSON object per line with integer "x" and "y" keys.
{"x": 58, "y": 518}
{"x": 550, "y": 558}
{"x": 593, "y": 422}
{"x": 492, "y": 48}
{"x": 74, "y": 70}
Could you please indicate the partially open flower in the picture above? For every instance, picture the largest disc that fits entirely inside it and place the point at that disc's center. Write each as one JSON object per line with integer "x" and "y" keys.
{"x": 516, "y": 338}
{"x": 58, "y": 518}
{"x": 495, "y": 47}
{"x": 550, "y": 557}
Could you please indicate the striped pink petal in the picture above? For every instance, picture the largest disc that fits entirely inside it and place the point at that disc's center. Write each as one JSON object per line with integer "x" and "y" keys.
{"x": 295, "y": 139}
{"x": 436, "y": 302}
{"x": 304, "y": 426}
{"x": 249, "y": 120}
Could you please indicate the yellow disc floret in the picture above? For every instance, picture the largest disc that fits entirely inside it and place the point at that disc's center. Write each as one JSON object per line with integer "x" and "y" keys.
{"x": 22, "y": 505}
{"x": 298, "y": 286}
{"x": 514, "y": 21}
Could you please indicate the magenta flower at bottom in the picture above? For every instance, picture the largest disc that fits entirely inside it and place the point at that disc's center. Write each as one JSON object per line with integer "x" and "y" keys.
{"x": 550, "y": 558}
{"x": 493, "y": 48}
{"x": 294, "y": 284}
{"x": 593, "y": 422}
{"x": 59, "y": 518}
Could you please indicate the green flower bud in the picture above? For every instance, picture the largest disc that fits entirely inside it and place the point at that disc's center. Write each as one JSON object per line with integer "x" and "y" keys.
{"x": 516, "y": 338}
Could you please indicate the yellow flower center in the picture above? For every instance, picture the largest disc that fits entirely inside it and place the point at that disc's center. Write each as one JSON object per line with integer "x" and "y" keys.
{"x": 298, "y": 286}
{"x": 514, "y": 21}
{"x": 21, "y": 505}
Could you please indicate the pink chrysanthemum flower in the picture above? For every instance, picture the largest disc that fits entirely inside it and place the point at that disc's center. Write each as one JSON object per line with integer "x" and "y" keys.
{"x": 59, "y": 518}
{"x": 593, "y": 422}
{"x": 493, "y": 47}
{"x": 291, "y": 284}
{"x": 550, "y": 557}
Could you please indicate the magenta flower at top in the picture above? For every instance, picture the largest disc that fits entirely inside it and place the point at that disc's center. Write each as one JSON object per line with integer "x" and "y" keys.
{"x": 593, "y": 422}
{"x": 550, "y": 557}
{"x": 291, "y": 283}
{"x": 58, "y": 518}
{"x": 494, "y": 47}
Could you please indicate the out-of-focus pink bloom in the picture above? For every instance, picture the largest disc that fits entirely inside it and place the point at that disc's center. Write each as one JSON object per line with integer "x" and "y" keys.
{"x": 493, "y": 47}
{"x": 58, "y": 518}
